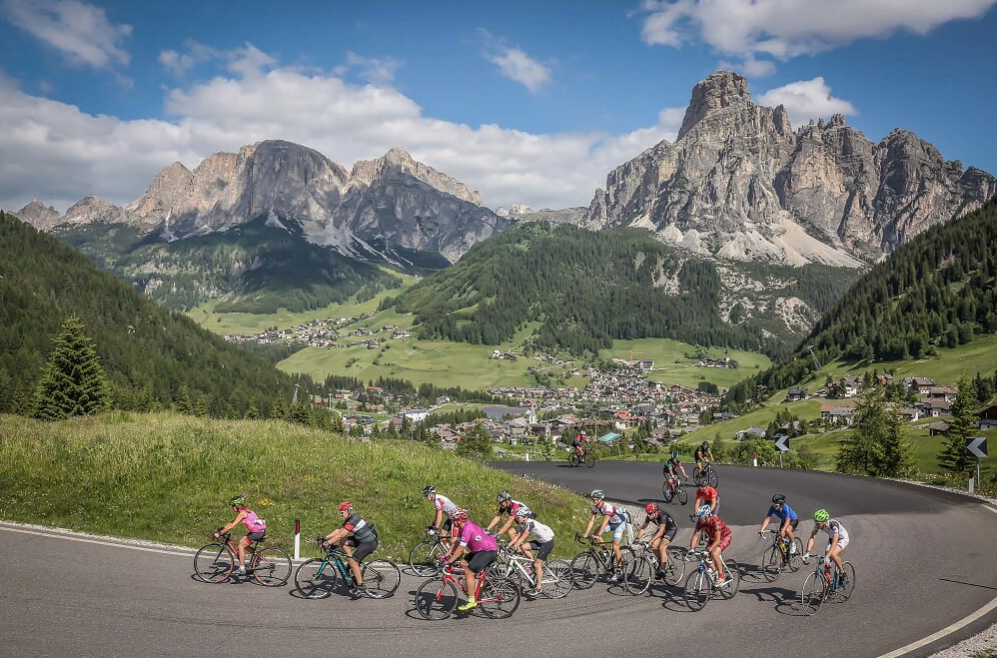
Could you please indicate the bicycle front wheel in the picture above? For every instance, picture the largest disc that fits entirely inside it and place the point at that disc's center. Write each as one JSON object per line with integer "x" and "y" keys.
{"x": 381, "y": 578}
{"x": 812, "y": 594}
{"x": 637, "y": 575}
{"x": 697, "y": 590}
{"x": 584, "y": 570}
{"x": 699, "y": 476}
{"x": 556, "y": 579}
{"x": 315, "y": 578}
{"x": 422, "y": 558}
{"x": 589, "y": 461}
{"x": 711, "y": 477}
{"x": 499, "y": 598}
{"x": 772, "y": 564}
{"x": 436, "y": 598}
{"x": 271, "y": 567}
{"x": 214, "y": 563}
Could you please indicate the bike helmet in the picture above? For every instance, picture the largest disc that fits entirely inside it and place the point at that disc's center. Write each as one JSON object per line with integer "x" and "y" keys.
{"x": 346, "y": 506}
{"x": 821, "y": 515}
{"x": 505, "y": 495}
{"x": 675, "y": 454}
{"x": 598, "y": 493}
{"x": 703, "y": 512}
{"x": 704, "y": 445}
{"x": 651, "y": 509}
{"x": 429, "y": 490}
{"x": 778, "y": 499}
{"x": 238, "y": 500}
{"x": 522, "y": 513}
{"x": 459, "y": 515}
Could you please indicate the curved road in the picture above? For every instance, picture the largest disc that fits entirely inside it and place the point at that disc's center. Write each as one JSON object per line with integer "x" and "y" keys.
{"x": 924, "y": 560}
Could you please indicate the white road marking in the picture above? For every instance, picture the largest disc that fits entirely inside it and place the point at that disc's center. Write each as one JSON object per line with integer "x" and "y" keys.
{"x": 58, "y": 535}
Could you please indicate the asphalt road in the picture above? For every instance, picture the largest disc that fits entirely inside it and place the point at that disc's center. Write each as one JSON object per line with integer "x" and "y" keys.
{"x": 924, "y": 560}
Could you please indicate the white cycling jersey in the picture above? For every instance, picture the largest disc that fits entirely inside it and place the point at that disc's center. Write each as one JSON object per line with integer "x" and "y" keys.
{"x": 833, "y": 528}
{"x": 445, "y": 504}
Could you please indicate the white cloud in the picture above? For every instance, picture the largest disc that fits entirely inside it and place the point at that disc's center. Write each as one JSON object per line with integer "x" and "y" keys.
{"x": 516, "y": 65}
{"x": 807, "y": 99}
{"x": 179, "y": 63}
{"x": 376, "y": 71}
{"x": 783, "y": 29}
{"x": 79, "y": 31}
{"x": 57, "y": 153}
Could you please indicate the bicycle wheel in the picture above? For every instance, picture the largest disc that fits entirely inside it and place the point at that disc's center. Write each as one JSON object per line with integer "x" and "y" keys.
{"x": 214, "y": 563}
{"x": 666, "y": 492}
{"x": 812, "y": 594}
{"x": 584, "y": 570}
{"x": 436, "y": 598}
{"x": 271, "y": 566}
{"x": 422, "y": 558}
{"x": 733, "y": 573}
{"x": 574, "y": 459}
{"x": 499, "y": 598}
{"x": 381, "y": 578}
{"x": 697, "y": 590}
{"x": 315, "y": 578}
{"x": 699, "y": 477}
{"x": 556, "y": 579}
{"x": 844, "y": 592}
{"x": 683, "y": 496}
{"x": 675, "y": 568}
{"x": 637, "y": 575}
{"x": 711, "y": 477}
{"x": 589, "y": 461}
{"x": 796, "y": 559}
{"x": 772, "y": 564}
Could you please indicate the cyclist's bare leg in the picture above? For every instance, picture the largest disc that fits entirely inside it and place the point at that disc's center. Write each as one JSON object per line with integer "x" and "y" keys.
{"x": 717, "y": 561}
{"x": 538, "y": 568}
{"x": 243, "y": 545}
{"x": 618, "y": 554}
{"x": 834, "y": 552}
{"x": 471, "y": 579}
{"x": 662, "y": 547}
{"x": 787, "y": 531}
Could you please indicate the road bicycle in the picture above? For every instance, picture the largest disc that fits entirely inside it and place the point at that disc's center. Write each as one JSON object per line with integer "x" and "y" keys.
{"x": 643, "y": 569}
{"x": 673, "y": 488}
{"x": 317, "y": 577}
{"x": 704, "y": 581}
{"x": 437, "y": 597}
{"x": 577, "y": 460}
{"x": 269, "y": 566}
{"x": 594, "y": 561}
{"x": 512, "y": 564}
{"x": 824, "y": 584}
{"x": 424, "y": 558}
{"x": 705, "y": 474}
{"x": 781, "y": 557}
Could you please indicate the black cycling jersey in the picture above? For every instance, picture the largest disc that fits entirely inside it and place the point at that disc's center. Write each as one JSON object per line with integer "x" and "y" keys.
{"x": 662, "y": 518}
{"x": 362, "y": 531}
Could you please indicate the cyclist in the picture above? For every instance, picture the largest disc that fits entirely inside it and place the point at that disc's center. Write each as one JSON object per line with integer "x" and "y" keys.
{"x": 255, "y": 526}
{"x": 703, "y": 455}
{"x": 444, "y": 512}
{"x": 360, "y": 545}
{"x": 674, "y": 464}
{"x": 580, "y": 444}
{"x": 837, "y": 540}
{"x": 543, "y": 543}
{"x": 719, "y": 536}
{"x": 706, "y": 495}
{"x": 611, "y": 521}
{"x": 663, "y": 536}
{"x": 506, "y": 505}
{"x": 480, "y": 547}
{"x": 789, "y": 519}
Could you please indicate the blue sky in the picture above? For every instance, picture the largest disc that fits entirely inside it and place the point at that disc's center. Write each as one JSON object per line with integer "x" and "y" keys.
{"x": 527, "y": 102}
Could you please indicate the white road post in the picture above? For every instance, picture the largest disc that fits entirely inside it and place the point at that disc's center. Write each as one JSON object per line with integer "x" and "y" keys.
{"x": 297, "y": 538}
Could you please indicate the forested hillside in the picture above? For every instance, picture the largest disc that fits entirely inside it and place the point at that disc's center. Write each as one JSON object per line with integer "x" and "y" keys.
{"x": 938, "y": 290}
{"x": 154, "y": 358}
{"x": 257, "y": 267}
{"x": 585, "y": 289}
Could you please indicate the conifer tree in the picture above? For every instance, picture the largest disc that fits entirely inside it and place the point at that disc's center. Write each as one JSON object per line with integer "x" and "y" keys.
{"x": 475, "y": 444}
{"x": 954, "y": 456}
{"x": 74, "y": 383}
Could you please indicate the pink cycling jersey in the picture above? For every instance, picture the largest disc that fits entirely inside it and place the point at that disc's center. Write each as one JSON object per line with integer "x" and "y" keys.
{"x": 474, "y": 537}
{"x": 252, "y": 522}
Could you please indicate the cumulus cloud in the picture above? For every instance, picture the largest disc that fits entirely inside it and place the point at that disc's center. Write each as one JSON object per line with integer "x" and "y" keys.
{"x": 374, "y": 70}
{"x": 807, "y": 99}
{"x": 59, "y": 154}
{"x": 783, "y": 29}
{"x": 81, "y": 32}
{"x": 516, "y": 65}
{"x": 195, "y": 53}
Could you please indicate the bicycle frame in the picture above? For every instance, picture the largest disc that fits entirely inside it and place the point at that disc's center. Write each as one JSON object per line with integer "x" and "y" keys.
{"x": 340, "y": 560}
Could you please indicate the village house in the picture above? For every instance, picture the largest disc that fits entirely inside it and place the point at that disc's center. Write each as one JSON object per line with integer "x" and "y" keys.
{"x": 796, "y": 393}
{"x": 920, "y": 385}
{"x": 830, "y": 413}
{"x": 934, "y": 407}
{"x": 750, "y": 433}
{"x": 938, "y": 428}
{"x": 988, "y": 418}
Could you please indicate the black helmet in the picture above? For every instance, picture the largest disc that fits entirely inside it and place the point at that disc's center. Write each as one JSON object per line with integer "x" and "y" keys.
{"x": 705, "y": 444}
{"x": 778, "y": 499}
{"x": 430, "y": 489}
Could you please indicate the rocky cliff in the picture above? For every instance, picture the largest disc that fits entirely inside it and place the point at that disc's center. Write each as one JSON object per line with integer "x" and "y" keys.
{"x": 740, "y": 183}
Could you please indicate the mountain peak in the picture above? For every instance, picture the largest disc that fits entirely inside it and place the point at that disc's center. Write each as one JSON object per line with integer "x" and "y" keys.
{"x": 718, "y": 91}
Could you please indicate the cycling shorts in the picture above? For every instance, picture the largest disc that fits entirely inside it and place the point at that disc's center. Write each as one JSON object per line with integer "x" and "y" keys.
{"x": 542, "y": 549}
{"x": 669, "y": 535}
{"x": 617, "y": 530}
{"x": 256, "y": 536}
{"x": 478, "y": 562}
{"x": 842, "y": 545}
{"x": 725, "y": 542}
{"x": 362, "y": 549}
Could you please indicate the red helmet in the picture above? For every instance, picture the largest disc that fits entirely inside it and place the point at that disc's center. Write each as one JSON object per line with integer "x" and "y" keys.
{"x": 651, "y": 508}
{"x": 346, "y": 506}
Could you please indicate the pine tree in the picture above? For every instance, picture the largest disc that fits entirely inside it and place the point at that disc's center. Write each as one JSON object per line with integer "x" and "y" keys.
{"x": 862, "y": 450}
{"x": 74, "y": 383}
{"x": 954, "y": 456}
{"x": 475, "y": 444}
{"x": 896, "y": 455}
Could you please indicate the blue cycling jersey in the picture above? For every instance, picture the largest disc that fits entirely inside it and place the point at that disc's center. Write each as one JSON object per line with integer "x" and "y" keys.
{"x": 783, "y": 513}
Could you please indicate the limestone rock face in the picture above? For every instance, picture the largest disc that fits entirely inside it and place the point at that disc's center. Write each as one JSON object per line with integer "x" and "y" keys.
{"x": 740, "y": 183}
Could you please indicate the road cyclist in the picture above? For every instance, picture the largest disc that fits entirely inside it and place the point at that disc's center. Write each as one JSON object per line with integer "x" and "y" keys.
{"x": 506, "y": 505}
{"x": 664, "y": 534}
{"x": 610, "y": 520}
{"x": 580, "y": 445}
{"x": 706, "y": 495}
{"x": 718, "y": 537}
{"x": 478, "y": 550}
{"x": 543, "y": 543}
{"x": 445, "y": 508}
{"x": 788, "y": 520}
{"x": 837, "y": 541}
{"x": 357, "y": 538}
{"x": 255, "y": 526}
{"x": 673, "y": 466}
